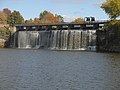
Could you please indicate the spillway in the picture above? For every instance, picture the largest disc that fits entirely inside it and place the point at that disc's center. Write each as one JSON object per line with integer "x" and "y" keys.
{"x": 55, "y": 39}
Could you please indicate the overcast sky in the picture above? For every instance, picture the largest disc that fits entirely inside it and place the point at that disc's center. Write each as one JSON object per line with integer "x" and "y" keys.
{"x": 69, "y": 9}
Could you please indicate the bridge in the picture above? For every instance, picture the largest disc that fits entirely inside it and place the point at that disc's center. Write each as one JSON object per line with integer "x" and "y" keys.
{"x": 86, "y": 25}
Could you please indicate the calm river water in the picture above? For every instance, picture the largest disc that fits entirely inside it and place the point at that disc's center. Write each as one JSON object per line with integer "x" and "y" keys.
{"x": 58, "y": 70}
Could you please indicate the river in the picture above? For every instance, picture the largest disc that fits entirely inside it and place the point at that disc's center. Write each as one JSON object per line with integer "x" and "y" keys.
{"x": 58, "y": 70}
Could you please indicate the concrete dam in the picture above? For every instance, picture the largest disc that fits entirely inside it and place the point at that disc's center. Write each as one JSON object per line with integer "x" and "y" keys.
{"x": 65, "y": 36}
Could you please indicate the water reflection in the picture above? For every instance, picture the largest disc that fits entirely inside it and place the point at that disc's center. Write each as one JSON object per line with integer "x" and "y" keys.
{"x": 58, "y": 70}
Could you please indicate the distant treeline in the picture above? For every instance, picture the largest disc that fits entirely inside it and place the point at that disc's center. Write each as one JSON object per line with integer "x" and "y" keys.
{"x": 14, "y": 17}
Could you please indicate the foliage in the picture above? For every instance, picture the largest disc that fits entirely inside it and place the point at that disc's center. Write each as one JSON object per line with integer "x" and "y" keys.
{"x": 30, "y": 21}
{"x": 48, "y": 17}
{"x": 15, "y": 18}
{"x": 60, "y": 18}
{"x": 112, "y": 8}
{"x": 43, "y": 14}
{"x": 36, "y": 20}
{"x": 78, "y": 20}
{"x": 4, "y": 33}
{"x": 7, "y": 11}
{"x": 3, "y": 18}
{"x": 4, "y": 15}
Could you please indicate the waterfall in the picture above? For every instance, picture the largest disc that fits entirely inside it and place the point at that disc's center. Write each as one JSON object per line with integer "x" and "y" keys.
{"x": 28, "y": 39}
{"x": 56, "y": 39}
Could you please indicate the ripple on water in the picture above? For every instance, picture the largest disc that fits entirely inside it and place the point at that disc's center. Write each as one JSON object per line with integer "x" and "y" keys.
{"x": 58, "y": 70}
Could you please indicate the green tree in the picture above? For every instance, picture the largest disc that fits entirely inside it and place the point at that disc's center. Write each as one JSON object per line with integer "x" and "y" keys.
{"x": 60, "y": 18}
{"x": 112, "y": 8}
{"x": 15, "y": 18}
{"x": 43, "y": 14}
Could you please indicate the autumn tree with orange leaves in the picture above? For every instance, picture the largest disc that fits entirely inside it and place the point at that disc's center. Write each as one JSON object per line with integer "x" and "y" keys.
{"x": 3, "y": 18}
{"x": 48, "y": 17}
{"x": 36, "y": 20}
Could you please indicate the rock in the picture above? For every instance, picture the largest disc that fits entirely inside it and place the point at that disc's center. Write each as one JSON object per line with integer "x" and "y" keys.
{"x": 2, "y": 43}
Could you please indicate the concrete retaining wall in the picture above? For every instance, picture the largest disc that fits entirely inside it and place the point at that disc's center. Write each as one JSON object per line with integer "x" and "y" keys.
{"x": 108, "y": 41}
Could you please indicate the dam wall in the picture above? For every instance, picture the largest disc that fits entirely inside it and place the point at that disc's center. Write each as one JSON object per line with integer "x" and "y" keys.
{"x": 57, "y": 36}
{"x": 55, "y": 40}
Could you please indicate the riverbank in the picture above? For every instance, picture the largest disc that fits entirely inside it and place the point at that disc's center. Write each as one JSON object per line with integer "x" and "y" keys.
{"x": 5, "y": 33}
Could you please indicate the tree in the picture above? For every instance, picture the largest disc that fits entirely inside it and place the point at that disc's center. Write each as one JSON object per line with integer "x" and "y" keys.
{"x": 112, "y": 8}
{"x": 3, "y": 18}
{"x": 43, "y": 14}
{"x": 48, "y": 17}
{"x": 7, "y": 11}
{"x": 78, "y": 20}
{"x": 15, "y": 18}
{"x": 60, "y": 18}
{"x": 36, "y": 20}
{"x": 30, "y": 21}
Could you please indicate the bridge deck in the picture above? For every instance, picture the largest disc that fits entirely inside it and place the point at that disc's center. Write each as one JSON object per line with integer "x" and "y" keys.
{"x": 62, "y": 26}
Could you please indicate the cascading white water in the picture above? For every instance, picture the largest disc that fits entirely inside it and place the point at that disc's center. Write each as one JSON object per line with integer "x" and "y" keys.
{"x": 27, "y": 39}
{"x": 56, "y": 39}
